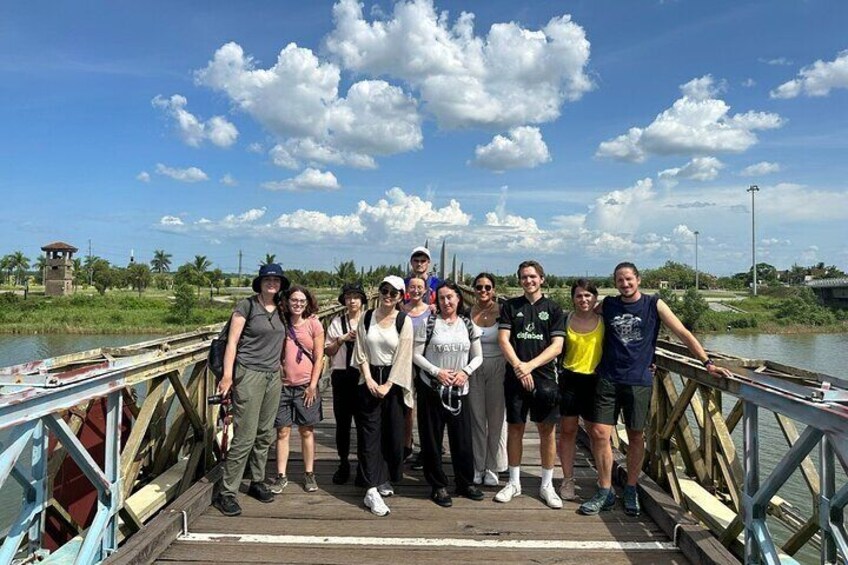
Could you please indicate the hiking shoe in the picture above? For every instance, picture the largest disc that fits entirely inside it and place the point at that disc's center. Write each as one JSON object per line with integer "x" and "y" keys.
{"x": 227, "y": 504}
{"x": 471, "y": 492}
{"x": 374, "y": 502}
{"x": 510, "y": 491}
{"x": 342, "y": 474}
{"x": 478, "y": 477}
{"x": 604, "y": 499}
{"x": 279, "y": 484}
{"x": 566, "y": 489}
{"x": 441, "y": 497}
{"x": 309, "y": 482}
{"x": 260, "y": 492}
{"x": 417, "y": 462}
{"x": 550, "y": 497}
{"x": 386, "y": 489}
{"x": 490, "y": 478}
{"x": 631, "y": 501}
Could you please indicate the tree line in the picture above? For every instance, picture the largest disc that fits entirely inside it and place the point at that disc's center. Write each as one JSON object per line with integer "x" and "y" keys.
{"x": 17, "y": 270}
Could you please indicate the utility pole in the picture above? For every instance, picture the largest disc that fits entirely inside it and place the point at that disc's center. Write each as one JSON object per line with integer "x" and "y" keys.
{"x": 753, "y": 189}
{"x": 90, "y": 272}
{"x": 239, "y": 269}
{"x": 697, "y": 286}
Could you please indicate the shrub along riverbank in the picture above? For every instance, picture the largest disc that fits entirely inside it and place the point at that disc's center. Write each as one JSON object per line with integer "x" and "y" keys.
{"x": 792, "y": 310}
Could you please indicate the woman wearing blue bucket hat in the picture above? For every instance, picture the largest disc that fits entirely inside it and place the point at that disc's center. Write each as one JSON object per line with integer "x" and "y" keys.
{"x": 251, "y": 380}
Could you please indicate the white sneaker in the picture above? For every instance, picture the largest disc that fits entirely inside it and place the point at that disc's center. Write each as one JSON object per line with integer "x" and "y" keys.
{"x": 374, "y": 502}
{"x": 490, "y": 479}
{"x": 550, "y": 497}
{"x": 566, "y": 490}
{"x": 478, "y": 477}
{"x": 510, "y": 491}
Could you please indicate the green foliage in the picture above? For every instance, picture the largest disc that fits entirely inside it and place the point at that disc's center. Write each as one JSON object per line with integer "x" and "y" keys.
{"x": 803, "y": 308}
{"x": 139, "y": 276}
{"x": 161, "y": 262}
{"x": 669, "y": 297}
{"x": 185, "y": 301}
{"x": 692, "y": 308}
{"x": 162, "y": 281}
{"x": 103, "y": 275}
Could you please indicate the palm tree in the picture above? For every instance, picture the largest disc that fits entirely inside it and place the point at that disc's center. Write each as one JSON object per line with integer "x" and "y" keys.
{"x": 201, "y": 266}
{"x": 5, "y": 267}
{"x": 161, "y": 262}
{"x": 20, "y": 264}
{"x": 346, "y": 272}
{"x": 269, "y": 258}
{"x": 40, "y": 265}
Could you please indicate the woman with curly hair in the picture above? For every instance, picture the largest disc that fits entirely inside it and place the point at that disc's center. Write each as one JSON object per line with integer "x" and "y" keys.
{"x": 300, "y": 404}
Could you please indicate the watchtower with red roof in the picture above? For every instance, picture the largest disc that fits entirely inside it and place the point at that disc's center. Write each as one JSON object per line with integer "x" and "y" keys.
{"x": 59, "y": 272}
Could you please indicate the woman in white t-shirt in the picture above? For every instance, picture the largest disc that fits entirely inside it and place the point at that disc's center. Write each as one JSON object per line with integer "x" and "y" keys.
{"x": 341, "y": 339}
{"x": 384, "y": 356}
{"x": 447, "y": 352}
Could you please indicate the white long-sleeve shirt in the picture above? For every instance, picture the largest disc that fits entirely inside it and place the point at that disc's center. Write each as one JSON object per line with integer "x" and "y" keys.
{"x": 449, "y": 348}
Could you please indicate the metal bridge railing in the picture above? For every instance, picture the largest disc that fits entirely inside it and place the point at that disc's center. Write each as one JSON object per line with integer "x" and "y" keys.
{"x": 689, "y": 440}
{"x": 144, "y": 455}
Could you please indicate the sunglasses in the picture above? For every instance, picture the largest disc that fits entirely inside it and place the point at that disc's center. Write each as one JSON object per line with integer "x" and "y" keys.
{"x": 482, "y": 287}
{"x": 389, "y": 292}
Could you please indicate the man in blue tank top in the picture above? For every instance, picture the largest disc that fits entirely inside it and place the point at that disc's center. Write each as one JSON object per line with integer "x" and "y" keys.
{"x": 632, "y": 324}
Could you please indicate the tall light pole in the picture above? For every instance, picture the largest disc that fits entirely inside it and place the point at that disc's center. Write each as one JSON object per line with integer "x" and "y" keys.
{"x": 697, "y": 286}
{"x": 753, "y": 189}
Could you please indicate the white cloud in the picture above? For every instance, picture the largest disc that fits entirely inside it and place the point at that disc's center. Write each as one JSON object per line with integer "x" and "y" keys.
{"x": 817, "y": 79}
{"x": 143, "y": 176}
{"x": 192, "y": 130}
{"x": 256, "y": 147}
{"x": 749, "y": 82}
{"x": 190, "y": 174}
{"x": 699, "y": 168}
{"x": 777, "y": 61}
{"x": 522, "y": 148}
{"x": 298, "y": 98}
{"x": 511, "y": 76}
{"x": 636, "y": 222}
{"x": 760, "y": 169}
{"x": 245, "y": 218}
{"x": 696, "y": 123}
{"x": 309, "y": 180}
{"x": 294, "y": 151}
{"x": 703, "y": 88}
{"x": 229, "y": 180}
{"x": 170, "y": 221}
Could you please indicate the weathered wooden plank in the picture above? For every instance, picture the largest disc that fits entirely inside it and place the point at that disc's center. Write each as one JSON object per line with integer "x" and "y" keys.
{"x": 236, "y": 553}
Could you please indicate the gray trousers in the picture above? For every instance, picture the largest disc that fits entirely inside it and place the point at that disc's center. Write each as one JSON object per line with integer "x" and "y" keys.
{"x": 488, "y": 429}
{"x": 255, "y": 400}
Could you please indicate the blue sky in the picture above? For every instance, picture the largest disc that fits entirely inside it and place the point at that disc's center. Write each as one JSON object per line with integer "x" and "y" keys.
{"x": 577, "y": 133}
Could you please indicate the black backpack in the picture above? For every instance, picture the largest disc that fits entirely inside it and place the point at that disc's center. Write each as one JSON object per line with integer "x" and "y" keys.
{"x": 215, "y": 359}
{"x": 401, "y": 316}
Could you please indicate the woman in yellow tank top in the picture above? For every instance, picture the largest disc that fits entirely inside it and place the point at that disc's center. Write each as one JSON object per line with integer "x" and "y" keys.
{"x": 577, "y": 379}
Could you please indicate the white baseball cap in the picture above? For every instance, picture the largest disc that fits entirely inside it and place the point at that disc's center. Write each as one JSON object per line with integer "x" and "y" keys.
{"x": 395, "y": 282}
{"x": 421, "y": 250}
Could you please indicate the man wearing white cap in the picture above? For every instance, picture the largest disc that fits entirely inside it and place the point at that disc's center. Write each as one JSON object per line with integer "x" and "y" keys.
{"x": 419, "y": 262}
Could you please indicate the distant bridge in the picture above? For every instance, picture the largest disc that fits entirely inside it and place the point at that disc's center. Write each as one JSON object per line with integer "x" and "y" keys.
{"x": 832, "y": 292}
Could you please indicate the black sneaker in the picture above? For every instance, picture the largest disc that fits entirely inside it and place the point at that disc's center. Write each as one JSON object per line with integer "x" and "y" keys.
{"x": 441, "y": 497}
{"x": 471, "y": 492}
{"x": 407, "y": 453}
{"x": 417, "y": 462}
{"x": 227, "y": 504}
{"x": 260, "y": 492}
{"x": 342, "y": 474}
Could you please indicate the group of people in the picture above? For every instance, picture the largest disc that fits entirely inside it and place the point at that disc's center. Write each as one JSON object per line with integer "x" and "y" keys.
{"x": 423, "y": 355}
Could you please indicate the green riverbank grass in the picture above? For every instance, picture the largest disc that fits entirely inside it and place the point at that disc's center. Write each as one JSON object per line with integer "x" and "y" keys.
{"x": 114, "y": 313}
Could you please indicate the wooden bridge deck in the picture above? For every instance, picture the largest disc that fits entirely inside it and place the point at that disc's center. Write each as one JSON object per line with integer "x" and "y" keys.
{"x": 319, "y": 527}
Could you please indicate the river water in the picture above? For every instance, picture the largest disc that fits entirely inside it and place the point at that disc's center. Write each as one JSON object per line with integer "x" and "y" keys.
{"x": 825, "y": 353}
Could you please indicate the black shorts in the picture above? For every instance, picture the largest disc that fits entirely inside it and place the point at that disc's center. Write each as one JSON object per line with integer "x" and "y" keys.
{"x": 293, "y": 411}
{"x": 577, "y": 392}
{"x": 632, "y": 401}
{"x": 518, "y": 404}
